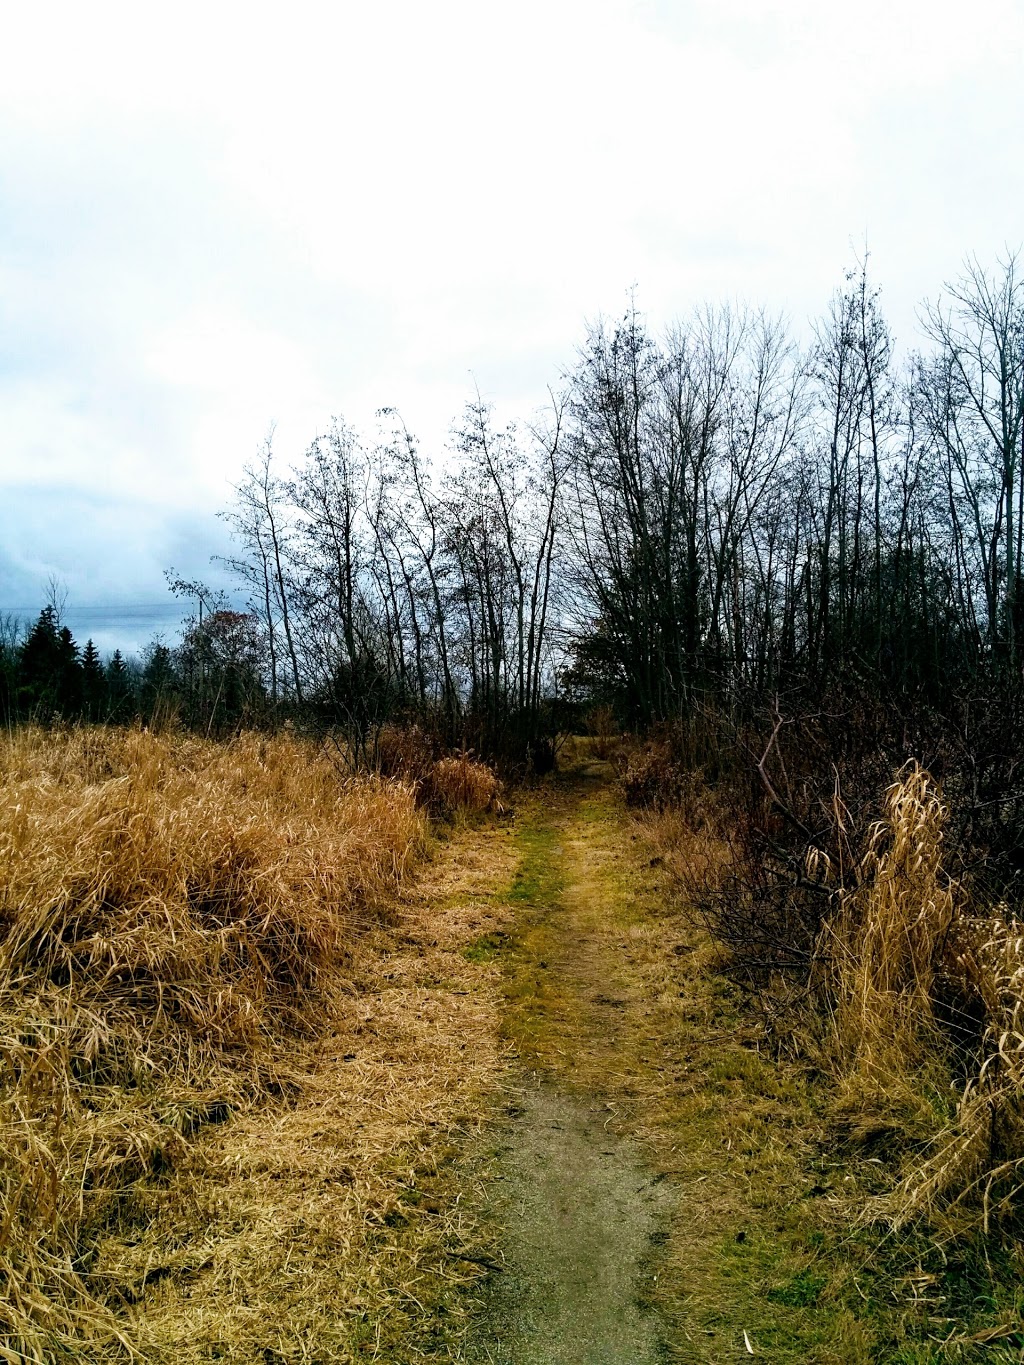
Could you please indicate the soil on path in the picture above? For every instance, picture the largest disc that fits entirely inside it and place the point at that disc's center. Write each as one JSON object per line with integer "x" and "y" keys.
{"x": 581, "y": 1213}
{"x": 538, "y": 1132}
{"x": 658, "y": 1187}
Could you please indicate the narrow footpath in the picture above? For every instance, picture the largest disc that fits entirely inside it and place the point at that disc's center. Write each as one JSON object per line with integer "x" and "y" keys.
{"x": 650, "y": 1190}
{"x": 581, "y": 1216}
{"x": 539, "y": 1132}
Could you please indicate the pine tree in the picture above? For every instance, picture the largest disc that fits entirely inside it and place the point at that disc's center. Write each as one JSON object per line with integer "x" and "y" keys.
{"x": 120, "y": 697}
{"x": 160, "y": 690}
{"x": 10, "y": 654}
{"x": 69, "y": 675}
{"x": 94, "y": 683}
{"x": 39, "y": 668}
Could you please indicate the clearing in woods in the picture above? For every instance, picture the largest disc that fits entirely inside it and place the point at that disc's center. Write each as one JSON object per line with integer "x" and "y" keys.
{"x": 544, "y": 1134}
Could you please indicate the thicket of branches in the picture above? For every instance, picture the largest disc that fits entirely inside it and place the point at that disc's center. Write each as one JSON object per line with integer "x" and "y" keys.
{"x": 748, "y": 520}
{"x": 710, "y": 518}
{"x": 703, "y": 522}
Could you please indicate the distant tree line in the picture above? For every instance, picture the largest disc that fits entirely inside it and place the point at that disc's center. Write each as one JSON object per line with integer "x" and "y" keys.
{"x": 712, "y": 517}
{"x": 386, "y": 590}
{"x": 211, "y": 681}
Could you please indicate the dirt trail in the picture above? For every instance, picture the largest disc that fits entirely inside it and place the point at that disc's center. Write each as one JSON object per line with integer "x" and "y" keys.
{"x": 581, "y": 1213}
{"x": 663, "y": 1174}
{"x": 538, "y": 1134}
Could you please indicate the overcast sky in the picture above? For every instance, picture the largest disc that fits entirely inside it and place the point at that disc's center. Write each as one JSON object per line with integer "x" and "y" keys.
{"x": 214, "y": 217}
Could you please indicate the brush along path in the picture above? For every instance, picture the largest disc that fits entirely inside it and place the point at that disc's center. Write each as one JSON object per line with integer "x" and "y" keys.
{"x": 335, "y": 1226}
{"x": 342, "y": 1222}
{"x": 655, "y": 1199}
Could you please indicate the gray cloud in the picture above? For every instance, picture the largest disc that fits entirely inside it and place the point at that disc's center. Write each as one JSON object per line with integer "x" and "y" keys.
{"x": 207, "y": 226}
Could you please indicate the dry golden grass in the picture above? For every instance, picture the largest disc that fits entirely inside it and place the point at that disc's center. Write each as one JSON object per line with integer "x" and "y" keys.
{"x": 919, "y": 1129}
{"x": 899, "y": 940}
{"x": 892, "y": 938}
{"x": 170, "y": 910}
{"x": 691, "y": 840}
{"x": 884, "y": 948}
{"x": 453, "y": 785}
{"x": 339, "y": 1223}
{"x": 458, "y": 783}
{"x": 976, "y": 1167}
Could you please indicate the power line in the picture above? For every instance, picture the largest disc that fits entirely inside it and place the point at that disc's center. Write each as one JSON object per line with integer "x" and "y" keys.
{"x": 104, "y": 606}
{"x": 78, "y": 608}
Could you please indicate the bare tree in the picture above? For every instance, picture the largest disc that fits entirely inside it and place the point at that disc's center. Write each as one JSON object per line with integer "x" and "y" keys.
{"x": 974, "y": 401}
{"x": 259, "y": 524}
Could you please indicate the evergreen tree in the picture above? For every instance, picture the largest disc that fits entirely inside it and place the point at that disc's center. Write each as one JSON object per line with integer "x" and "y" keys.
{"x": 94, "y": 683}
{"x": 69, "y": 675}
{"x": 40, "y": 667}
{"x": 120, "y": 694}
{"x": 160, "y": 689}
{"x": 9, "y": 659}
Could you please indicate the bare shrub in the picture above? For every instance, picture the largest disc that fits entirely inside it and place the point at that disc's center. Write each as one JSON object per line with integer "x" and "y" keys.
{"x": 404, "y": 752}
{"x": 796, "y": 798}
{"x": 603, "y": 728}
{"x": 898, "y": 952}
{"x": 845, "y": 898}
{"x": 655, "y": 777}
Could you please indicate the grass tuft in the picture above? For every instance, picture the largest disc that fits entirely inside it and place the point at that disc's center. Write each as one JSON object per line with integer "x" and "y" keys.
{"x": 976, "y": 1165}
{"x": 884, "y": 948}
{"x": 459, "y": 784}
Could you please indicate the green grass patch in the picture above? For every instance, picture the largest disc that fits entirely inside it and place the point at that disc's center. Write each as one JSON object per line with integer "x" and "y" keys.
{"x": 802, "y": 1290}
{"x": 539, "y": 878}
{"x": 487, "y": 947}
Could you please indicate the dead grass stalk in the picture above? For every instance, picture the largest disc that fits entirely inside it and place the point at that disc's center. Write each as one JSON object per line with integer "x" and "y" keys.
{"x": 884, "y": 947}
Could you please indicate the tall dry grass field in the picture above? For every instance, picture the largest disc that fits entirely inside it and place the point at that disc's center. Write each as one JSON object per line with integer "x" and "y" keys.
{"x": 169, "y": 909}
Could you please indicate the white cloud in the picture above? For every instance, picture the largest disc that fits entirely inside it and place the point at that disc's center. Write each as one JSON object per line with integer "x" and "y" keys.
{"x": 218, "y": 215}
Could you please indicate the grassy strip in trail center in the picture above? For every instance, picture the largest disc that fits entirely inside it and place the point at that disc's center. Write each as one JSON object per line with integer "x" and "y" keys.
{"x": 613, "y": 993}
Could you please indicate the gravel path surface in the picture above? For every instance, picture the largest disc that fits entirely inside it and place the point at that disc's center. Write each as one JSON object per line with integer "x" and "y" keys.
{"x": 581, "y": 1214}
